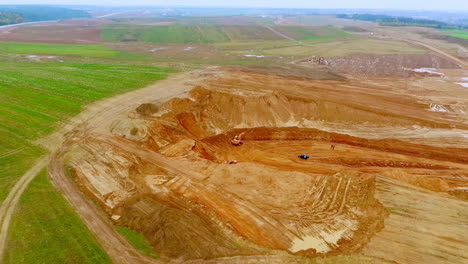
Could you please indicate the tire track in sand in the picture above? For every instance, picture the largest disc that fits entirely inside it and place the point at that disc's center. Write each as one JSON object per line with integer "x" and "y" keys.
{"x": 117, "y": 247}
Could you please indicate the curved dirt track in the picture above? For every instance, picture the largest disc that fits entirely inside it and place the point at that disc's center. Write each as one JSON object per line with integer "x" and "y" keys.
{"x": 436, "y": 50}
{"x": 117, "y": 247}
{"x": 281, "y": 34}
{"x": 98, "y": 114}
{"x": 119, "y": 251}
{"x": 9, "y": 205}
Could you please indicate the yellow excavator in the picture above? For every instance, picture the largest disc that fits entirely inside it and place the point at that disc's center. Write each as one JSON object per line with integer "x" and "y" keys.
{"x": 237, "y": 139}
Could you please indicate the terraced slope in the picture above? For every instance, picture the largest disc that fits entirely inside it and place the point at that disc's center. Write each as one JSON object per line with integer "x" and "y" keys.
{"x": 165, "y": 172}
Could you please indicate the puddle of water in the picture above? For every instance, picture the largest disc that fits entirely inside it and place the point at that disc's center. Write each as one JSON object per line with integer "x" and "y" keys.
{"x": 255, "y": 56}
{"x": 156, "y": 49}
{"x": 428, "y": 70}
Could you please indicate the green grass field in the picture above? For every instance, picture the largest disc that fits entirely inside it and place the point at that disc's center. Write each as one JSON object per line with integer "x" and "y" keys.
{"x": 164, "y": 34}
{"x": 51, "y": 49}
{"x": 213, "y": 34}
{"x": 312, "y": 33}
{"x": 250, "y": 33}
{"x": 328, "y": 20}
{"x": 461, "y": 34}
{"x": 45, "y": 229}
{"x": 342, "y": 47}
{"x": 254, "y": 45}
{"x": 138, "y": 240}
{"x": 225, "y": 20}
{"x": 93, "y": 51}
{"x": 178, "y": 34}
{"x": 34, "y": 97}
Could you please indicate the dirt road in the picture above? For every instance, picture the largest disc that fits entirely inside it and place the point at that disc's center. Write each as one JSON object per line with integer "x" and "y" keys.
{"x": 117, "y": 247}
{"x": 10, "y": 203}
{"x": 438, "y": 51}
{"x": 442, "y": 53}
{"x": 99, "y": 114}
{"x": 281, "y": 34}
{"x": 97, "y": 118}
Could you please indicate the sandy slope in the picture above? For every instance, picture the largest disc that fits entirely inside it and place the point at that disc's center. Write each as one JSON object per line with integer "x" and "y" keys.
{"x": 437, "y": 240}
{"x": 193, "y": 133}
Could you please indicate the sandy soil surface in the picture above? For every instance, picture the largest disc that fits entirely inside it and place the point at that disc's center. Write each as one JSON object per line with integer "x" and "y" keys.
{"x": 396, "y": 65}
{"x": 393, "y": 189}
{"x": 423, "y": 226}
{"x": 462, "y": 63}
{"x": 390, "y": 65}
{"x": 100, "y": 114}
{"x": 162, "y": 170}
{"x": 89, "y": 121}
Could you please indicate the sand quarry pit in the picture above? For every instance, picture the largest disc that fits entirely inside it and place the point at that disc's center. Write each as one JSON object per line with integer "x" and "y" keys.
{"x": 162, "y": 168}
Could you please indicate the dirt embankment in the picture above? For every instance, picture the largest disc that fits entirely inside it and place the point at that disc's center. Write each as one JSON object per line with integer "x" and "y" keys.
{"x": 184, "y": 214}
{"x": 158, "y": 182}
{"x": 202, "y": 117}
{"x": 164, "y": 172}
{"x": 159, "y": 167}
{"x": 388, "y": 65}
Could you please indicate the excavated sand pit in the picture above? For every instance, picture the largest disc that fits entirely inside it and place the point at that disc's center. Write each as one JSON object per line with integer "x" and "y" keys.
{"x": 166, "y": 172}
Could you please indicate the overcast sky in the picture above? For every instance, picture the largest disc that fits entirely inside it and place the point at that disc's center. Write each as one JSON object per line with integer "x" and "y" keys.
{"x": 384, "y": 4}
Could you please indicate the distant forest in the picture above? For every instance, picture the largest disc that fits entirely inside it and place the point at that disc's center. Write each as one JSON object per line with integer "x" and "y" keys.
{"x": 10, "y": 14}
{"x": 9, "y": 18}
{"x": 385, "y": 20}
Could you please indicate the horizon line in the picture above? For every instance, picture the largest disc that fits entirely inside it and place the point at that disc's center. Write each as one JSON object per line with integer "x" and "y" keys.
{"x": 245, "y": 7}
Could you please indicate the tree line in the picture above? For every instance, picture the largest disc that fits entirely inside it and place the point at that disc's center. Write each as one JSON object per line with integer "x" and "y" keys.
{"x": 9, "y": 18}
{"x": 385, "y": 20}
{"x": 11, "y": 14}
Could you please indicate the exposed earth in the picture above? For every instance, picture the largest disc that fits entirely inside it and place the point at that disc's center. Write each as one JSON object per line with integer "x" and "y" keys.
{"x": 386, "y": 135}
{"x": 159, "y": 164}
